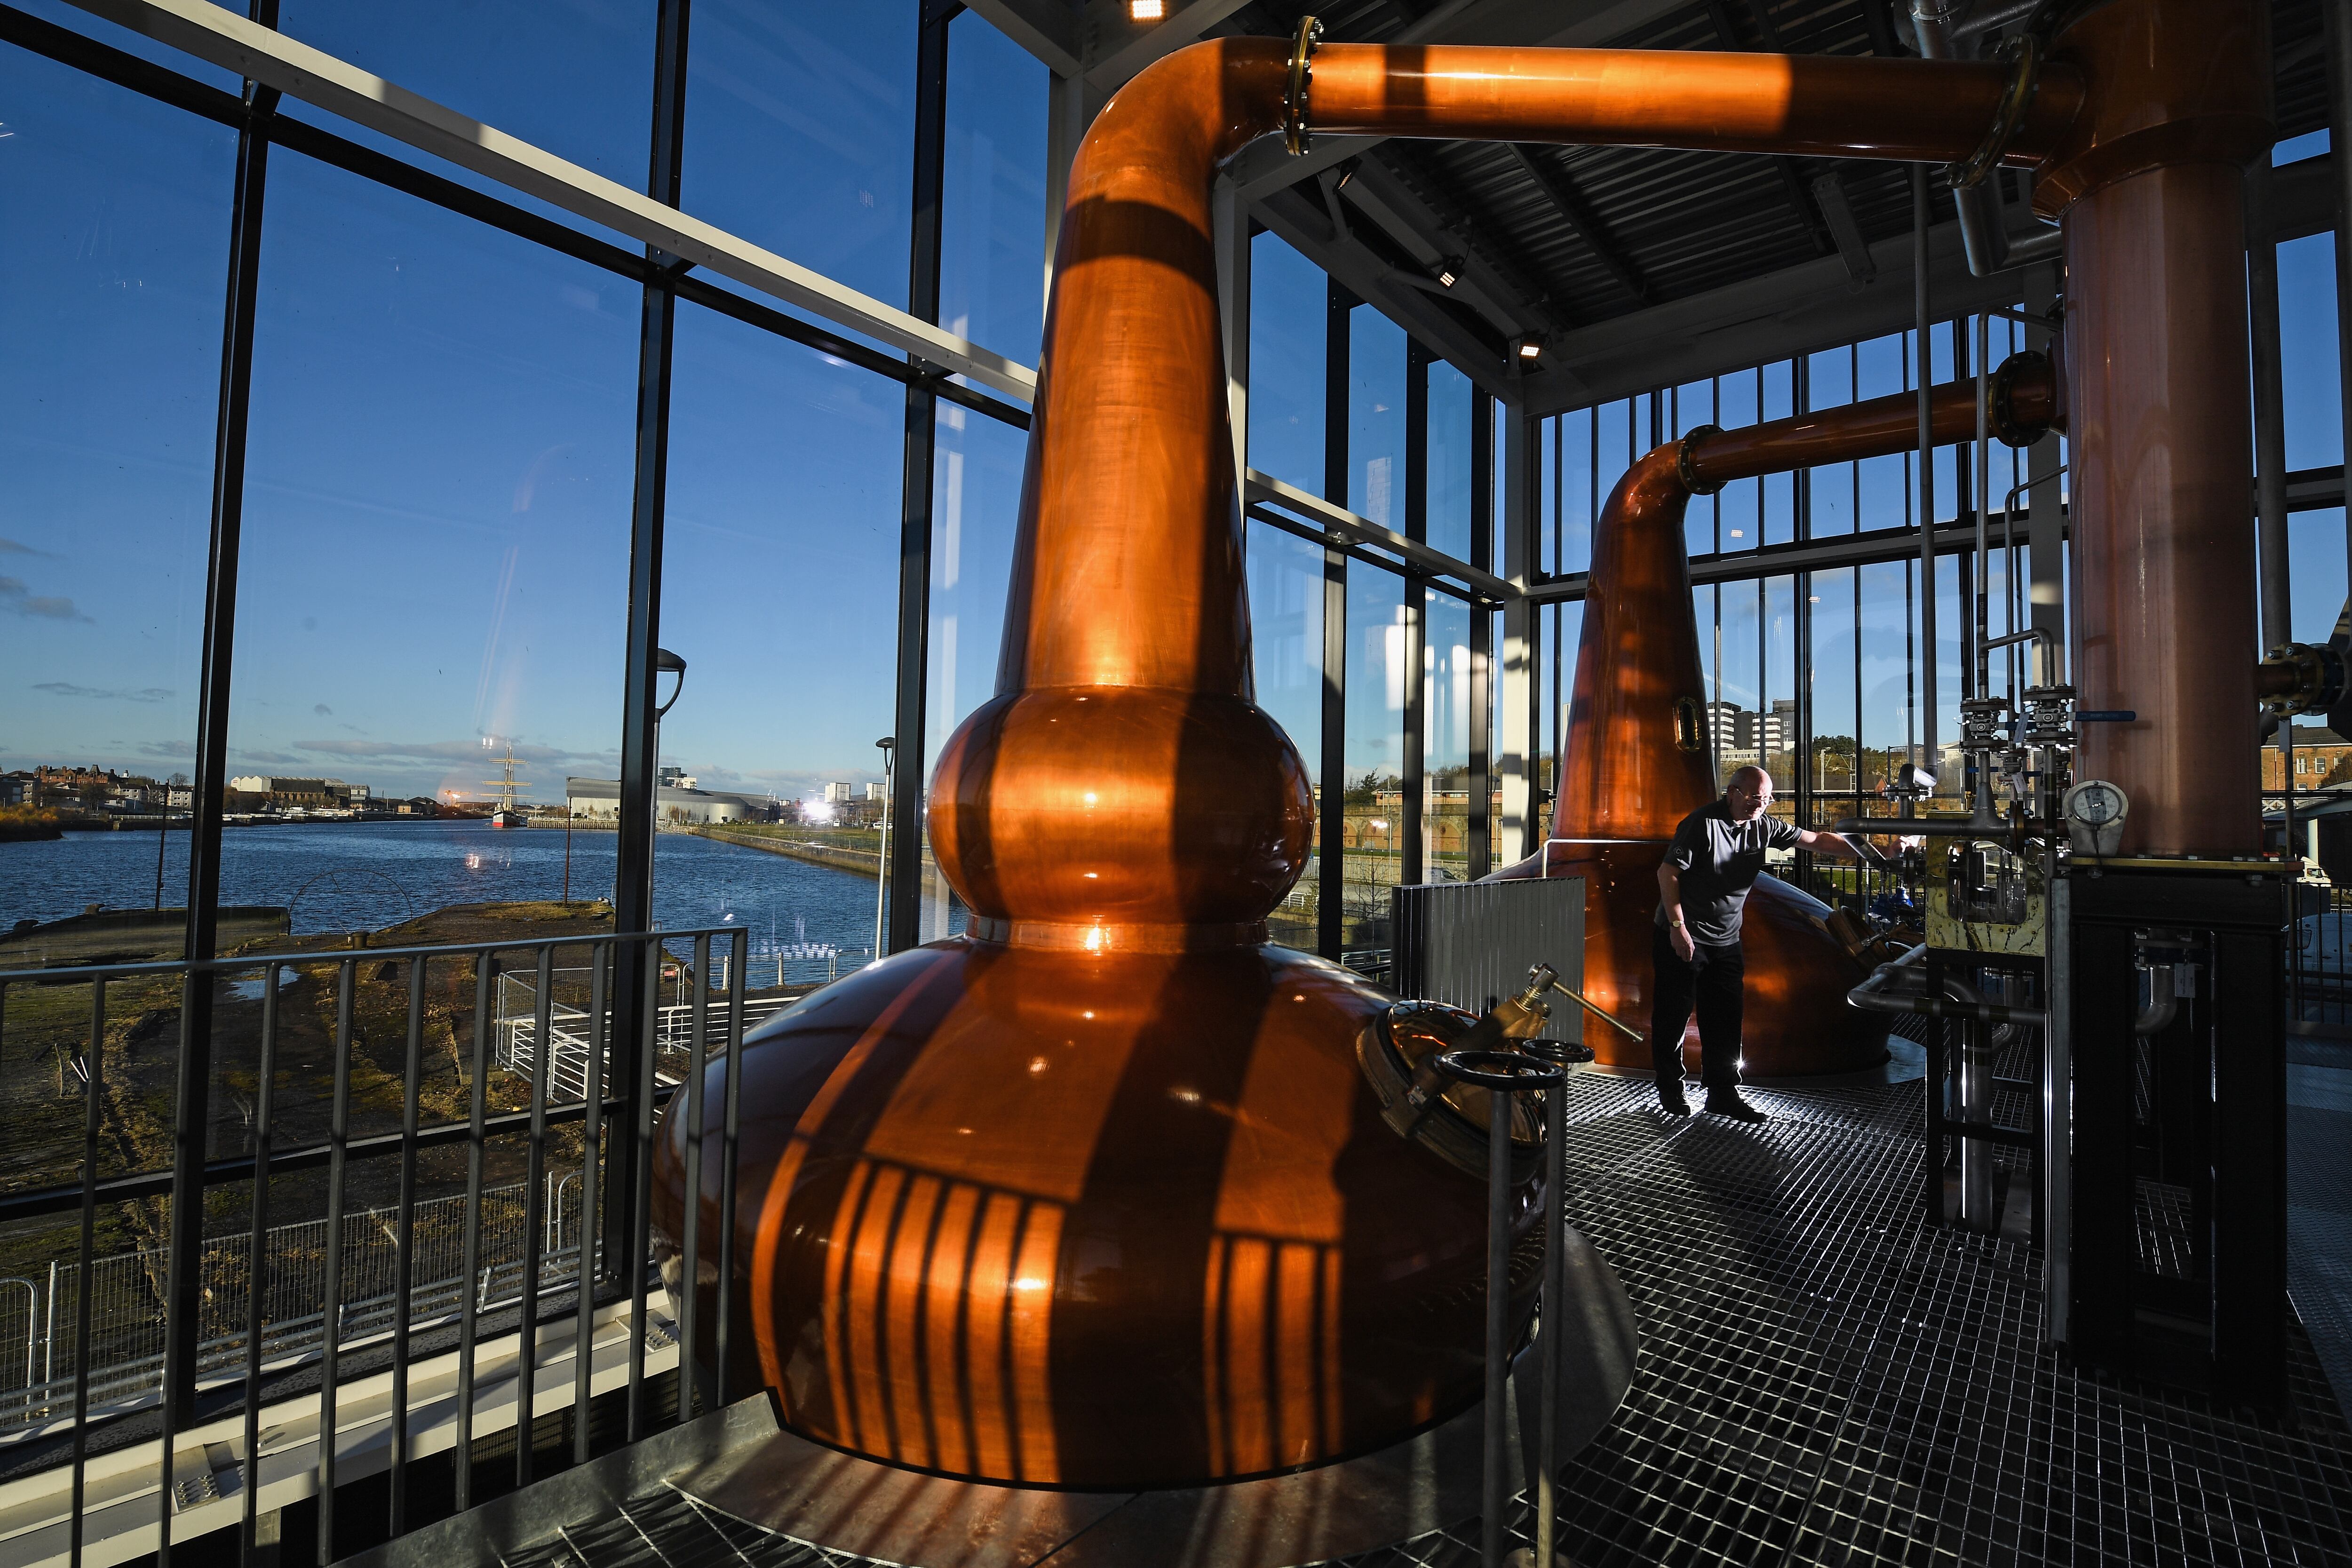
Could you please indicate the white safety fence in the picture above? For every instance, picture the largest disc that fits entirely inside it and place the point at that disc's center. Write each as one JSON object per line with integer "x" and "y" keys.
{"x": 38, "y": 1316}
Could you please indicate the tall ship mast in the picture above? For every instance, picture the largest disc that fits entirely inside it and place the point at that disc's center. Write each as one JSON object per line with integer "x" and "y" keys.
{"x": 510, "y": 813}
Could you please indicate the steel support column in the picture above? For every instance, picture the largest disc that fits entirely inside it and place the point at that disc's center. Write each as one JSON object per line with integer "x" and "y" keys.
{"x": 1330, "y": 859}
{"x": 2045, "y": 519}
{"x": 1232, "y": 217}
{"x": 1924, "y": 376}
{"x": 907, "y": 801}
{"x": 2337, "y": 36}
{"x": 191, "y": 1110}
{"x": 2270, "y": 404}
{"x": 633, "y": 997}
{"x": 1481, "y": 823}
{"x": 1523, "y": 827}
{"x": 1414, "y": 785}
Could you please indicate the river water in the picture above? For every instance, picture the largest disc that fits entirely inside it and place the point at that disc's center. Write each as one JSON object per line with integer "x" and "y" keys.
{"x": 362, "y": 876}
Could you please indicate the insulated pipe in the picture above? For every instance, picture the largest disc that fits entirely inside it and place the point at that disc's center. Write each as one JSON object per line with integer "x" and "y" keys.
{"x": 1874, "y": 995}
{"x": 1984, "y": 231}
{"x": 2162, "y": 1005}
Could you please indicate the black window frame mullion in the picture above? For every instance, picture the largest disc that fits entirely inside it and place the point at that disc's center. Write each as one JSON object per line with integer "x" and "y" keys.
{"x": 1330, "y": 860}
{"x": 634, "y": 996}
{"x": 1411, "y": 862}
{"x": 192, "y": 1099}
{"x": 1481, "y": 823}
{"x": 911, "y": 712}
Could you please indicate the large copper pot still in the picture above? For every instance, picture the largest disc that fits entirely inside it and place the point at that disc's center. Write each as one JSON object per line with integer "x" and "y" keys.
{"x": 1098, "y": 1194}
{"x": 1635, "y": 761}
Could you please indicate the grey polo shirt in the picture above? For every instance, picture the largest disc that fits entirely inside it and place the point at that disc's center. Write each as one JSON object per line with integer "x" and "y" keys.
{"x": 1719, "y": 861}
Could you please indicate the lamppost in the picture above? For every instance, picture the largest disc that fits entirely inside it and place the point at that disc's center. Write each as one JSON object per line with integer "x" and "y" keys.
{"x": 664, "y": 663}
{"x": 889, "y": 745}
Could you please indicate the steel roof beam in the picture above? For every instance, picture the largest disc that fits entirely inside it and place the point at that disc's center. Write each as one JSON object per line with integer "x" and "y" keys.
{"x": 1183, "y": 25}
{"x": 1792, "y": 178}
{"x": 1297, "y": 216}
{"x": 310, "y": 76}
{"x": 1046, "y": 29}
{"x": 1577, "y": 214}
{"x": 1382, "y": 194}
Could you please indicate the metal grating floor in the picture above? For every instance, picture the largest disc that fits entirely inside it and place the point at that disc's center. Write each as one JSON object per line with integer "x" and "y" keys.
{"x": 1823, "y": 1381}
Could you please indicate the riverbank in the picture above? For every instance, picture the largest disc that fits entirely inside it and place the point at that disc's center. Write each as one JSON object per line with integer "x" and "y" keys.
{"x": 798, "y": 846}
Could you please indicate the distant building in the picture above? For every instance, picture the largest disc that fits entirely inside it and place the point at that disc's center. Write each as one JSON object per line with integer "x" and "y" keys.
{"x": 676, "y": 778}
{"x": 874, "y": 790}
{"x": 2319, "y": 759}
{"x": 17, "y": 788}
{"x": 277, "y": 792}
{"x": 1728, "y": 725}
{"x": 601, "y": 798}
{"x": 839, "y": 794}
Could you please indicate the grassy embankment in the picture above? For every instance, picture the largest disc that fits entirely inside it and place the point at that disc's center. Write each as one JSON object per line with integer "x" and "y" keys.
{"x": 46, "y": 1028}
{"x": 20, "y": 824}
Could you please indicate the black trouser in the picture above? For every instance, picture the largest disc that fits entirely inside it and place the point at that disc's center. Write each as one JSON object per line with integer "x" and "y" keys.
{"x": 1712, "y": 980}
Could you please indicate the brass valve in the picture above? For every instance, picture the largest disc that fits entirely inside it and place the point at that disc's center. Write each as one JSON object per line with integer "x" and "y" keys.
{"x": 1523, "y": 1016}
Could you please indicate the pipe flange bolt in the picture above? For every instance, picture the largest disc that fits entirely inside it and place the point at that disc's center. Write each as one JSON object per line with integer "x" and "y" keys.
{"x": 1293, "y": 97}
{"x": 1686, "y": 460}
{"x": 2300, "y": 677}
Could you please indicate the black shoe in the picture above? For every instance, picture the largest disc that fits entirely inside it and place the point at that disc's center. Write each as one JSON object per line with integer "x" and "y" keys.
{"x": 1727, "y": 1102}
{"x": 1670, "y": 1098}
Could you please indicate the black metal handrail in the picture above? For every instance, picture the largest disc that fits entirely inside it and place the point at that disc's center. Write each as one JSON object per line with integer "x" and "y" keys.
{"x": 621, "y": 1072}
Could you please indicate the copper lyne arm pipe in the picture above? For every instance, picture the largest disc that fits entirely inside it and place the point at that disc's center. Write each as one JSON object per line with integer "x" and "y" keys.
{"x": 1128, "y": 595}
{"x": 2024, "y": 405}
{"x": 1828, "y": 106}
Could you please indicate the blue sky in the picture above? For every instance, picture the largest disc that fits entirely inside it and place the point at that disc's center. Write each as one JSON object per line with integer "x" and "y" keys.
{"x": 441, "y": 459}
{"x": 441, "y": 462}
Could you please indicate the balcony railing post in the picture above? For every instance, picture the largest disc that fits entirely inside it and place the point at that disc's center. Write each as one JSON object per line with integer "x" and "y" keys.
{"x": 338, "y": 1139}
{"x": 637, "y": 1244}
{"x": 730, "y": 1127}
{"x": 469, "y": 1318}
{"x": 403, "y": 1244}
{"x": 592, "y": 1127}
{"x": 534, "y": 1189}
{"x": 93, "y": 1078}
{"x": 257, "y": 1258}
{"x": 693, "y": 1111}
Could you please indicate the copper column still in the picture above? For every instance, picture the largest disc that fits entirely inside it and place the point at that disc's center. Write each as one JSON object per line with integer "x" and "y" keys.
{"x": 1097, "y": 1194}
{"x": 1635, "y": 761}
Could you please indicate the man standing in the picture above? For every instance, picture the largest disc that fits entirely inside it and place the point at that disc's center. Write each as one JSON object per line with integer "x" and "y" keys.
{"x": 1714, "y": 860}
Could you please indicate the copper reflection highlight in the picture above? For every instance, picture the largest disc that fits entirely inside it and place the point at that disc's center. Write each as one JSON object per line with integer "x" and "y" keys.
{"x": 1631, "y": 771}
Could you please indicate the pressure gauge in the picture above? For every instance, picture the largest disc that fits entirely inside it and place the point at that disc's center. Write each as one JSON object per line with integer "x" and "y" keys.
{"x": 2094, "y": 811}
{"x": 2095, "y": 803}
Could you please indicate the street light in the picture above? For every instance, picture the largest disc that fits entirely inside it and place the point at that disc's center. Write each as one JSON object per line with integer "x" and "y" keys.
{"x": 667, "y": 663}
{"x": 889, "y": 745}
{"x": 664, "y": 663}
